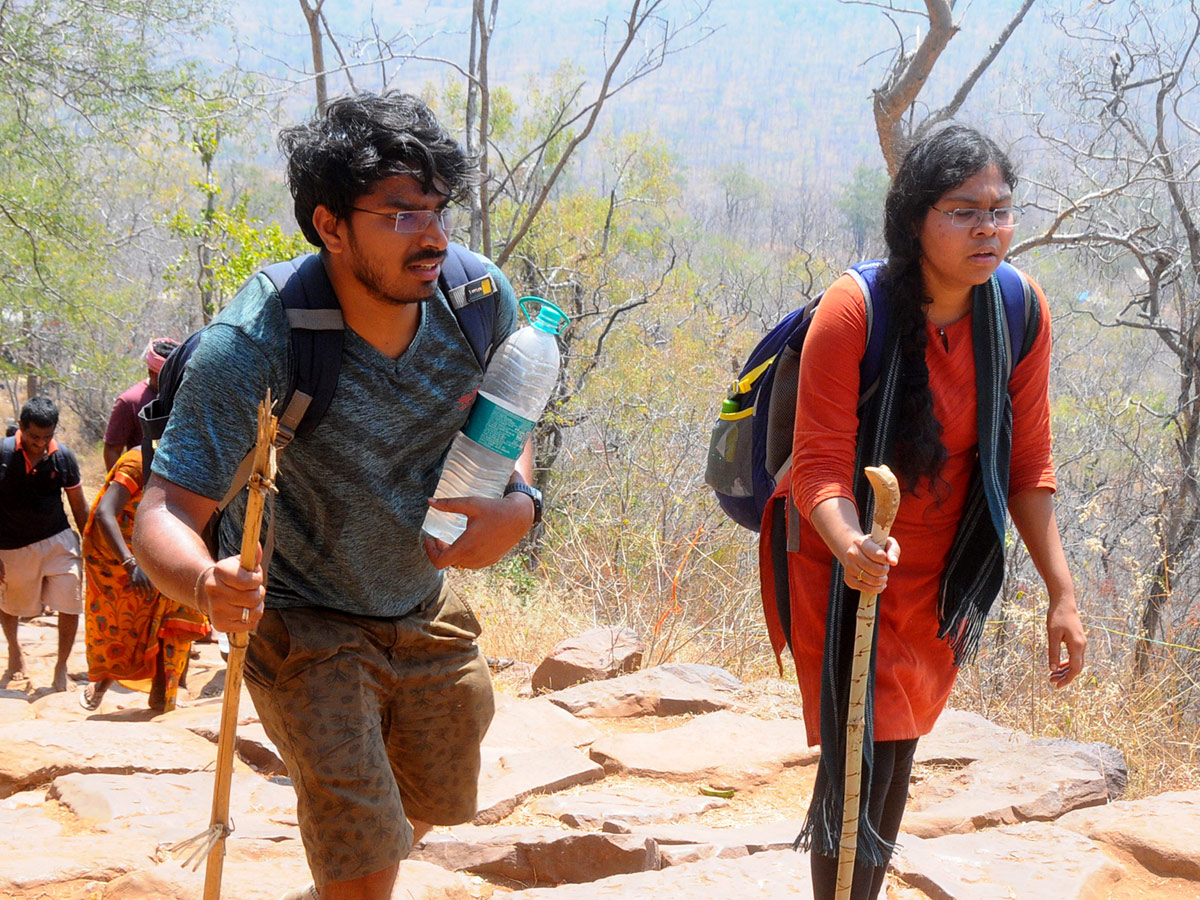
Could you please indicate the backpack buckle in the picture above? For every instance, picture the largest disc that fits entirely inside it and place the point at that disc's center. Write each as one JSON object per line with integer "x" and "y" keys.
{"x": 283, "y": 436}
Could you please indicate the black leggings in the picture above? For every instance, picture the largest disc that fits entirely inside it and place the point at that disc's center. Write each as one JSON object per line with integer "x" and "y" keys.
{"x": 889, "y": 792}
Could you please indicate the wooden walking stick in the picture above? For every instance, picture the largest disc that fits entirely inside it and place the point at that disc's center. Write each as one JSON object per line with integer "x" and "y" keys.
{"x": 261, "y": 481}
{"x": 887, "y": 501}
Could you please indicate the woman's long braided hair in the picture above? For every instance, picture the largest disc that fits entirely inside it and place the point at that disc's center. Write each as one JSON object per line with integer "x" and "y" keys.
{"x": 934, "y": 165}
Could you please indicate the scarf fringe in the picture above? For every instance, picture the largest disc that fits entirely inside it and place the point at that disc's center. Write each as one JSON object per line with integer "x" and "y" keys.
{"x": 822, "y": 832}
{"x": 964, "y": 632}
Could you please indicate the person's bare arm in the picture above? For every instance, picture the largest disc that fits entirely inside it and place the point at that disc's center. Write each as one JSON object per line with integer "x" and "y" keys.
{"x": 79, "y": 506}
{"x": 523, "y": 467}
{"x": 108, "y": 507}
{"x": 1033, "y": 513}
{"x": 112, "y": 452}
{"x": 168, "y": 544}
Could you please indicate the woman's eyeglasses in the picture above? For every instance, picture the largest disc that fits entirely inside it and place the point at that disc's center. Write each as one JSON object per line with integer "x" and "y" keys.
{"x": 1004, "y": 217}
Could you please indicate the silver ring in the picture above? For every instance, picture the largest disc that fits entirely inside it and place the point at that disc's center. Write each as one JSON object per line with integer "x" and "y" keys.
{"x": 245, "y": 616}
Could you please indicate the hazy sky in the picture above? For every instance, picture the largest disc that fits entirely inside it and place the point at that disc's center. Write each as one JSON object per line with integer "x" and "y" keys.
{"x": 776, "y": 83}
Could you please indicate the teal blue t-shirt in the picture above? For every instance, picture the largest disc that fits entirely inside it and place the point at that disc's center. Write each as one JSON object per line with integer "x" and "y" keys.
{"x": 352, "y": 495}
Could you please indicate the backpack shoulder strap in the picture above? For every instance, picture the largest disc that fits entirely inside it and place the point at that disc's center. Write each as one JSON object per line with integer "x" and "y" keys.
{"x": 473, "y": 296}
{"x": 317, "y": 329}
{"x": 1022, "y": 313}
{"x": 867, "y": 276}
{"x": 8, "y": 448}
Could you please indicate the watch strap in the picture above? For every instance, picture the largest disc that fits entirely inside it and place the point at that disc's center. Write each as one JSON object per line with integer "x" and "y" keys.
{"x": 520, "y": 487}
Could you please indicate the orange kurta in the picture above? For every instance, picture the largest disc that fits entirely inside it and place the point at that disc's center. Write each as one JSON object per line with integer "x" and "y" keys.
{"x": 914, "y": 669}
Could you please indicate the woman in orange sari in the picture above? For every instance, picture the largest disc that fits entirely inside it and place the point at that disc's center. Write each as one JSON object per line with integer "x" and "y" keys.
{"x": 133, "y": 632}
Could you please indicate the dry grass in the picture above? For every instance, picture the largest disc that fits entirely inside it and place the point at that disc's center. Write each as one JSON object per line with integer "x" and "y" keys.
{"x": 718, "y": 621}
{"x": 1151, "y": 719}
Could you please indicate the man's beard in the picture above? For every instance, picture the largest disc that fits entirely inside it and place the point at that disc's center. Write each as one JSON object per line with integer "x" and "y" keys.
{"x": 374, "y": 282}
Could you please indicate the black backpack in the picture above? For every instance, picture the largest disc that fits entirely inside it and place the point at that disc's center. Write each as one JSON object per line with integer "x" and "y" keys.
{"x": 316, "y": 327}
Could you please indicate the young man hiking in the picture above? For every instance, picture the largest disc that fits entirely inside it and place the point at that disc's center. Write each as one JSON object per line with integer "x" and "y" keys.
{"x": 40, "y": 565}
{"x": 363, "y": 665}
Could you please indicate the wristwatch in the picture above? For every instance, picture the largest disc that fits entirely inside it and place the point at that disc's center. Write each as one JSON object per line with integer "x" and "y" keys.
{"x": 520, "y": 487}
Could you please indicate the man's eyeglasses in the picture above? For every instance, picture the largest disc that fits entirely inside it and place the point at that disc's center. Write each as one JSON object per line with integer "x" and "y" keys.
{"x": 1004, "y": 217}
{"x": 413, "y": 221}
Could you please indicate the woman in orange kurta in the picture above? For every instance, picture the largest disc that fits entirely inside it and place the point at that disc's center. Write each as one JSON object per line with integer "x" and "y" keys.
{"x": 949, "y": 223}
{"x": 133, "y": 631}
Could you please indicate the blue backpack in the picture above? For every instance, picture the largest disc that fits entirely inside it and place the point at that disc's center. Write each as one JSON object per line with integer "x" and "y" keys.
{"x": 316, "y": 327}
{"x": 751, "y": 444}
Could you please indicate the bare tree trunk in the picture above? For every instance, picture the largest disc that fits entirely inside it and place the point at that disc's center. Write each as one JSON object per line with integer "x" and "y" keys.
{"x": 312, "y": 15}
{"x": 471, "y": 133}
{"x": 909, "y": 72}
{"x": 483, "y": 21}
{"x": 904, "y": 82}
{"x": 1152, "y": 614}
{"x": 204, "y": 251}
{"x": 207, "y": 144}
{"x": 33, "y": 384}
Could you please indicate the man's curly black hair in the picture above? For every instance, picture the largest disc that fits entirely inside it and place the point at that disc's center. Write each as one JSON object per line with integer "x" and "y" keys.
{"x": 342, "y": 152}
{"x": 39, "y": 411}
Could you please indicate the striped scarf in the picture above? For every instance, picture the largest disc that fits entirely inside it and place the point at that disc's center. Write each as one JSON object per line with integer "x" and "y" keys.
{"x": 970, "y": 584}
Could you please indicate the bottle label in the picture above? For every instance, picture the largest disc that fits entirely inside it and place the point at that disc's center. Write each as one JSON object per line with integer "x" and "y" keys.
{"x": 500, "y": 430}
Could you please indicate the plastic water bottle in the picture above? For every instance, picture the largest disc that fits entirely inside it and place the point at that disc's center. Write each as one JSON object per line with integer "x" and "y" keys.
{"x": 514, "y": 391}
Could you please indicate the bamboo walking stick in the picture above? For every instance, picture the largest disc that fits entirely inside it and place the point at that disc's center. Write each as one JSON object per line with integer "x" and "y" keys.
{"x": 261, "y": 481}
{"x": 887, "y": 501}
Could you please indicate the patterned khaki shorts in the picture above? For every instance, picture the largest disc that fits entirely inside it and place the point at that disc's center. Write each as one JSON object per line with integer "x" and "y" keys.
{"x": 48, "y": 572}
{"x": 378, "y": 720}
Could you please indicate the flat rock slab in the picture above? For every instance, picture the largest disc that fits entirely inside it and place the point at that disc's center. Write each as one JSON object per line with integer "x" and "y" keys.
{"x": 40, "y": 851}
{"x": 672, "y": 690}
{"x": 1107, "y": 759}
{"x": 28, "y": 819}
{"x": 622, "y": 809}
{"x": 1030, "y": 862}
{"x": 764, "y": 876}
{"x": 1162, "y": 833}
{"x": 63, "y": 706}
{"x": 960, "y": 738}
{"x": 723, "y": 749}
{"x": 539, "y": 855}
{"x": 743, "y": 840}
{"x": 1035, "y": 781}
{"x": 592, "y": 656}
{"x": 185, "y": 800}
{"x": 263, "y": 870}
{"x": 14, "y": 708}
{"x": 250, "y": 743}
{"x": 534, "y": 724}
{"x": 39, "y": 751}
{"x": 205, "y": 714}
{"x": 508, "y": 778}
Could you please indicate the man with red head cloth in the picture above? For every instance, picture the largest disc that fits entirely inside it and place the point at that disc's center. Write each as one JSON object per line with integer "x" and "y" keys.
{"x": 124, "y": 432}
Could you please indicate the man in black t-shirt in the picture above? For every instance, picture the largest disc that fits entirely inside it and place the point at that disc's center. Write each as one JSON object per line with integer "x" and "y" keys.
{"x": 39, "y": 553}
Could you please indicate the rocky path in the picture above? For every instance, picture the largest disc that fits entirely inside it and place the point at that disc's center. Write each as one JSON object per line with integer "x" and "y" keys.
{"x": 608, "y": 789}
